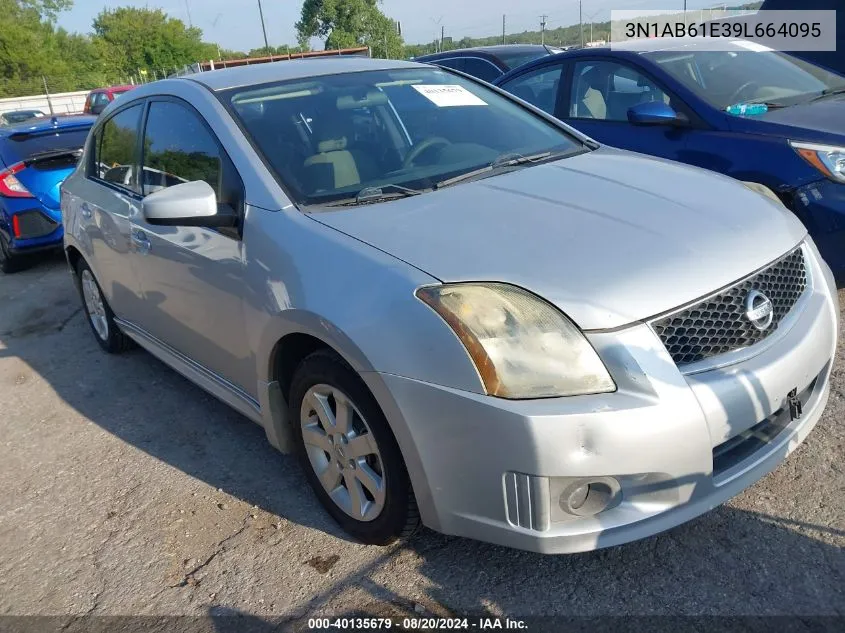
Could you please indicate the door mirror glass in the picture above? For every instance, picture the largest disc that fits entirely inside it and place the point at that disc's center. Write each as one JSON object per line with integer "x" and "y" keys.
{"x": 188, "y": 204}
{"x": 655, "y": 113}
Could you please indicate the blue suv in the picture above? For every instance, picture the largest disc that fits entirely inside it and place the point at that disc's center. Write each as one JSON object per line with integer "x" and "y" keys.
{"x": 766, "y": 118}
{"x": 35, "y": 158}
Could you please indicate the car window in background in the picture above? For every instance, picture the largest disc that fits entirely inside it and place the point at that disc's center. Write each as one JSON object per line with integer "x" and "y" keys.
{"x": 118, "y": 148}
{"x": 455, "y": 63}
{"x": 539, "y": 87}
{"x": 607, "y": 90}
{"x": 724, "y": 78}
{"x": 178, "y": 148}
{"x": 25, "y": 145}
{"x": 331, "y": 137}
{"x": 481, "y": 68}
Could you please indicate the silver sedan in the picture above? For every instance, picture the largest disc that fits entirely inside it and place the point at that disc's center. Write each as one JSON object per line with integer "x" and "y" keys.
{"x": 456, "y": 310}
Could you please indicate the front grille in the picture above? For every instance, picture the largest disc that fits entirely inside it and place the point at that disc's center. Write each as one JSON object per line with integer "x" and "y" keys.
{"x": 718, "y": 325}
{"x": 34, "y": 224}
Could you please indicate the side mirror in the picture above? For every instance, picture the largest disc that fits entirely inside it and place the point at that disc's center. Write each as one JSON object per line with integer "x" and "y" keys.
{"x": 188, "y": 204}
{"x": 656, "y": 113}
{"x": 98, "y": 109}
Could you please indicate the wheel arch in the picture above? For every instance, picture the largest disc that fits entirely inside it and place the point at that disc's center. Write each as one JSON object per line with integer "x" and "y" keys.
{"x": 291, "y": 340}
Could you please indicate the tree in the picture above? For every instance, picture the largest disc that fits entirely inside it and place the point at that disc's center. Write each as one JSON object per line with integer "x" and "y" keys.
{"x": 349, "y": 23}
{"x": 132, "y": 39}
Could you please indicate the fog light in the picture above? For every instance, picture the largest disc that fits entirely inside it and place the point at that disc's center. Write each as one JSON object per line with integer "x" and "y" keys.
{"x": 587, "y": 497}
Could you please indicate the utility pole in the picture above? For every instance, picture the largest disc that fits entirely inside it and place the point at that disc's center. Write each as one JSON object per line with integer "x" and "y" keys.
{"x": 543, "y": 29}
{"x": 503, "y": 28}
{"x": 263, "y": 27}
{"x": 437, "y": 44}
{"x": 442, "y": 36}
{"x": 188, "y": 7}
{"x": 581, "y": 22}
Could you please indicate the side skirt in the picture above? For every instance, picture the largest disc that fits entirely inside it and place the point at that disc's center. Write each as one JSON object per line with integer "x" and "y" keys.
{"x": 218, "y": 387}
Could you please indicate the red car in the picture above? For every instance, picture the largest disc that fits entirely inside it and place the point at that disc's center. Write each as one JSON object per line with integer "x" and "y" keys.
{"x": 98, "y": 99}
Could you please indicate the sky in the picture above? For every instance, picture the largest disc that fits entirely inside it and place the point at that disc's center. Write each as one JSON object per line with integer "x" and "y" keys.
{"x": 235, "y": 24}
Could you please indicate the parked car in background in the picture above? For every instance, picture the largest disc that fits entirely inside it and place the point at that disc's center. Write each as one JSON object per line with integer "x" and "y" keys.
{"x": 101, "y": 97}
{"x": 19, "y": 116}
{"x": 670, "y": 98}
{"x": 36, "y": 157}
{"x": 521, "y": 337}
{"x": 488, "y": 62}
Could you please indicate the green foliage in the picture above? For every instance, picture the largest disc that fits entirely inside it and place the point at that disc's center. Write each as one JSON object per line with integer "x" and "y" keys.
{"x": 350, "y": 23}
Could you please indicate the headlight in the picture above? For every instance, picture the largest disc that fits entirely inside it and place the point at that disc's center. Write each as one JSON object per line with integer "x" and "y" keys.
{"x": 763, "y": 190}
{"x": 828, "y": 159}
{"x": 522, "y": 346}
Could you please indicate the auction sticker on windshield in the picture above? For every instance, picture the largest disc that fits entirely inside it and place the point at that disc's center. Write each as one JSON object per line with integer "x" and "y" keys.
{"x": 447, "y": 95}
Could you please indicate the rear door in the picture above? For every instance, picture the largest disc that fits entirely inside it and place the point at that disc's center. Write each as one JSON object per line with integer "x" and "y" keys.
{"x": 106, "y": 200}
{"x": 192, "y": 277}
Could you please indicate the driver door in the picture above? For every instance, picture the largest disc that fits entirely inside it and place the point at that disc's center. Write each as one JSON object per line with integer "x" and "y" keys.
{"x": 598, "y": 95}
{"x": 192, "y": 277}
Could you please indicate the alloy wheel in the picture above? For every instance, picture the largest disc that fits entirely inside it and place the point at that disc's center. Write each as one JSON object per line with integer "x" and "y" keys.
{"x": 343, "y": 452}
{"x": 95, "y": 305}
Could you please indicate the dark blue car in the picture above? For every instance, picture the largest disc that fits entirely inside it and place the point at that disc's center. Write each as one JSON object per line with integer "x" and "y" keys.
{"x": 673, "y": 99}
{"x": 35, "y": 158}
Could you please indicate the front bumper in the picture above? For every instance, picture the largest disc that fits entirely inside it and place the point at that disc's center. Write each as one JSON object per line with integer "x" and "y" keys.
{"x": 494, "y": 469}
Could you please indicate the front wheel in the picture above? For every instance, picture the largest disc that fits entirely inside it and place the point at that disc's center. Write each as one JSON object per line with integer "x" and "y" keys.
{"x": 348, "y": 451}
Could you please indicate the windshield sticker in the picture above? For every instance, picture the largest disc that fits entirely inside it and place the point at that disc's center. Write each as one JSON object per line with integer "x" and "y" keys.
{"x": 446, "y": 96}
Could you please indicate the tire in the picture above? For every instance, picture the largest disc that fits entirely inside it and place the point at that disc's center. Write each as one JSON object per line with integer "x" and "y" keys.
{"x": 98, "y": 313}
{"x": 323, "y": 380}
{"x": 9, "y": 263}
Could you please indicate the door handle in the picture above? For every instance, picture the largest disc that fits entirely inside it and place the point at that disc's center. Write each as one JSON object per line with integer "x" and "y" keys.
{"x": 141, "y": 241}
{"x": 85, "y": 211}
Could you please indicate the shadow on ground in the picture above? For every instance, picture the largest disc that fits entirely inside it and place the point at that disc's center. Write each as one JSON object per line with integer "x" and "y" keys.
{"x": 729, "y": 561}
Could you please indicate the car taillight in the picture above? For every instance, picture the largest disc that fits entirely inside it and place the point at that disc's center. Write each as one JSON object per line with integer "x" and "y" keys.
{"x": 10, "y": 186}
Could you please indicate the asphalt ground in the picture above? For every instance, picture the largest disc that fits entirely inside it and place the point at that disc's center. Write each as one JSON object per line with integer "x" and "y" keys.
{"x": 126, "y": 490}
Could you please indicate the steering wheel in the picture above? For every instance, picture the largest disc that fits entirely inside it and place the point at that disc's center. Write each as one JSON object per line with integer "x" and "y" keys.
{"x": 734, "y": 98}
{"x": 421, "y": 148}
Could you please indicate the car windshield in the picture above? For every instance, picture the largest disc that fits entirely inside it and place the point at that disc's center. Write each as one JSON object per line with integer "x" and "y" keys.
{"x": 401, "y": 131}
{"x": 747, "y": 75}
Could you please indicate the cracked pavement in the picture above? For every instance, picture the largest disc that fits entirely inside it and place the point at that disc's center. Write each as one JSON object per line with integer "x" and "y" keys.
{"x": 127, "y": 490}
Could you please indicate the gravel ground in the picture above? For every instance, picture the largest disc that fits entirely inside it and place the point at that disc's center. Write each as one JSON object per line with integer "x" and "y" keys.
{"x": 125, "y": 490}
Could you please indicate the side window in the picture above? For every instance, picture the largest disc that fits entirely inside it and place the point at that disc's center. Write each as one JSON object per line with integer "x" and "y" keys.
{"x": 538, "y": 88}
{"x": 481, "y": 68}
{"x": 178, "y": 148}
{"x": 607, "y": 90}
{"x": 117, "y": 148}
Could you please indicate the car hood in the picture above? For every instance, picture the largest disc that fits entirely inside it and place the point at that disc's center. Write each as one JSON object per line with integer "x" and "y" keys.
{"x": 810, "y": 121}
{"x": 610, "y": 237}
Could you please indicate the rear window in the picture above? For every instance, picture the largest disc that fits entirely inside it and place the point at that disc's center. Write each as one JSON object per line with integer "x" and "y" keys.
{"x": 20, "y": 147}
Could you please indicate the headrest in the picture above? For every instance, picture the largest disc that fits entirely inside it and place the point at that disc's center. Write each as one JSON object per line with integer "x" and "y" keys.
{"x": 332, "y": 145}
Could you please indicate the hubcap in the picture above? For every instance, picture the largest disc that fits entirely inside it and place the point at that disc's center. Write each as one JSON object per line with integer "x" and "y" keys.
{"x": 94, "y": 305}
{"x": 343, "y": 452}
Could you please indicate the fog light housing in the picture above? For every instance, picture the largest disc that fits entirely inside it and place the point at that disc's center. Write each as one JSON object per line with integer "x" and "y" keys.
{"x": 589, "y": 496}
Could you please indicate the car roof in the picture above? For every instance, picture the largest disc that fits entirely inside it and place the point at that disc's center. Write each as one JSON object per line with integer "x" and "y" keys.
{"x": 490, "y": 50}
{"x": 46, "y": 123}
{"x": 292, "y": 69}
{"x": 113, "y": 89}
{"x": 631, "y": 47}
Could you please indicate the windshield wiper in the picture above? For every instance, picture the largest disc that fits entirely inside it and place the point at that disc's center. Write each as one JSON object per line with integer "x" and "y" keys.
{"x": 828, "y": 92}
{"x": 508, "y": 159}
{"x": 370, "y": 195}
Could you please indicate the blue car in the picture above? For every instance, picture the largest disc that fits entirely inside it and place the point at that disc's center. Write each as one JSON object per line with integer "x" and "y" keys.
{"x": 35, "y": 158}
{"x": 762, "y": 117}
